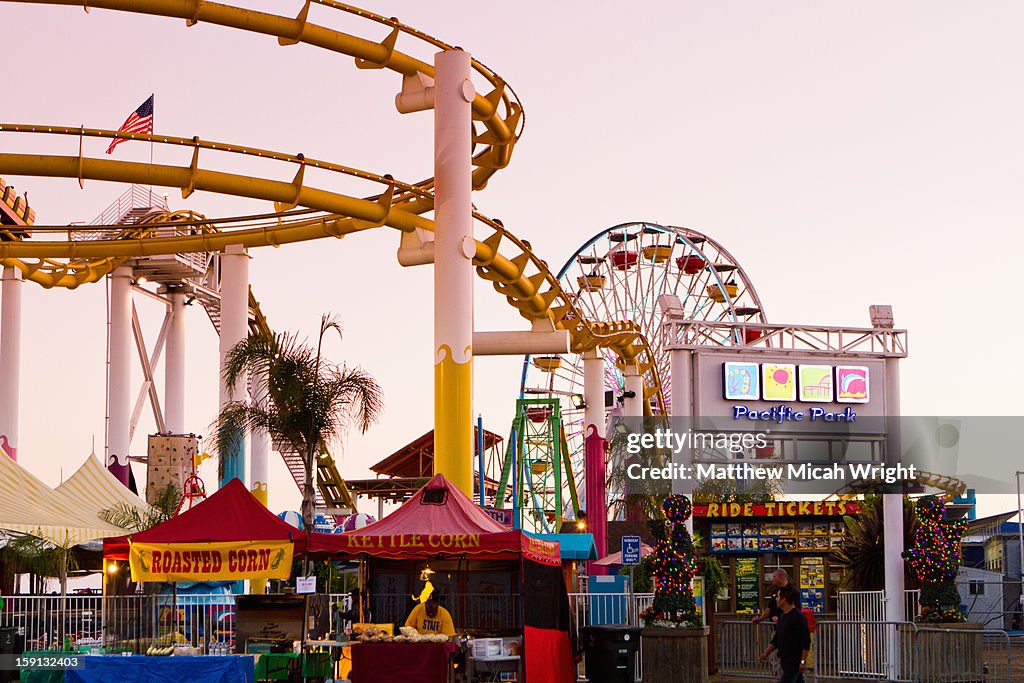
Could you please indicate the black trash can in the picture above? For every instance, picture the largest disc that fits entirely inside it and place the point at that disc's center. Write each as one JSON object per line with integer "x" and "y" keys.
{"x": 611, "y": 653}
{"x": 7, "y": 649}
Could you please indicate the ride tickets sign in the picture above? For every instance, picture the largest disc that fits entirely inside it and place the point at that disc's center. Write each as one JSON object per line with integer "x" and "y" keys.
{"x": 778, "y": 509}
{"x": 234, "y": 561}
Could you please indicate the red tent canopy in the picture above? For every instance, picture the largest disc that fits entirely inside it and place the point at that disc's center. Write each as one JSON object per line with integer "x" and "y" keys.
{"x": 230, "y": 514}
{"x": 441, "y": 521}
{"x": 438, "y": 521}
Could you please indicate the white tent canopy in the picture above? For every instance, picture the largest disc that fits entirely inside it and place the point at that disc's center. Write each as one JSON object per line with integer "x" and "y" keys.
{"x": 67, "y": 515}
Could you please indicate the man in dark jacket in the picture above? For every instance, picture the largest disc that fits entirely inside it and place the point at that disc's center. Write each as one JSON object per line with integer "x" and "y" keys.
{"x": 771, "y": 611}
{"x": 792, "y": 638}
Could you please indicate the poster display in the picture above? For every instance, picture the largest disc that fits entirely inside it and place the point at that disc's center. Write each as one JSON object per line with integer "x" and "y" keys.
{"x": 776, "y": 537}
{"x": 698, "y": 597}
{"x": 748, "y": 598}
{"x": 812, "y": 584}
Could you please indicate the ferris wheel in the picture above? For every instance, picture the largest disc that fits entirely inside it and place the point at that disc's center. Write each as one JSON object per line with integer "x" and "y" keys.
{"x": 618, "y": 275}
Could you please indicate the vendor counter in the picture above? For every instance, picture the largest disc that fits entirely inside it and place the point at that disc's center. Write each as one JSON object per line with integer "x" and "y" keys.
{"x": 406, "y": 662}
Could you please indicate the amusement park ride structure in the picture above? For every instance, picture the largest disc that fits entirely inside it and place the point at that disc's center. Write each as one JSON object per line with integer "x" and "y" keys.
{"x": 602, "y": 330}
{"x": 493, "y": 122}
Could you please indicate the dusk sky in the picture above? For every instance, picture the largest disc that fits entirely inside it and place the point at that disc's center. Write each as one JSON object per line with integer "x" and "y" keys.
{"x": 847, "y": 154}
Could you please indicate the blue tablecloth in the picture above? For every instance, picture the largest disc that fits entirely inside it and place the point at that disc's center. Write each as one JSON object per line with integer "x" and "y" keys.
{"x": 140, "y": 669}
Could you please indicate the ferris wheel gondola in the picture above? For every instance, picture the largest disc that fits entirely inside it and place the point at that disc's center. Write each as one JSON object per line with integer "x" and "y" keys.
{"x": 619, "y": 274}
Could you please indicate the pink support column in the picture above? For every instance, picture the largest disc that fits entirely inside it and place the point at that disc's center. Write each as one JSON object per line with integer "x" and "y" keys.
{"x": 595, "y": 448}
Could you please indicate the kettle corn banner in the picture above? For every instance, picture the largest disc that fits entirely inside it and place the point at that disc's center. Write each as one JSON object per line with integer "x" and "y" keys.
{"x": 230, "y": 561}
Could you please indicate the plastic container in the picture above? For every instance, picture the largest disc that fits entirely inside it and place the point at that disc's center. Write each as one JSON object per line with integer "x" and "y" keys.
{"x": 487, "y": 647}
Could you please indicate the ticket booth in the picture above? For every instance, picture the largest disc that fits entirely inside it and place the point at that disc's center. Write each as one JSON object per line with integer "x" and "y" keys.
{"x": 753, "y": 540}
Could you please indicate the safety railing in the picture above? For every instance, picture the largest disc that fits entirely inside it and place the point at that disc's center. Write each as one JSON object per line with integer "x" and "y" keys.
{"x": 591, "y": 609}
{"x": 135, "y": 197}
{"x": 740, "y": 644}
{"x": 124, "y": 623}
{"x": 864, "y": 650}
{"x": 870, "y": 605}
{"x": 947, "y": 655}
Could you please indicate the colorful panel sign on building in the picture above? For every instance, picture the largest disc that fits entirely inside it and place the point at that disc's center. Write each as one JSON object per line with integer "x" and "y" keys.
{"x": 800, "y": 394}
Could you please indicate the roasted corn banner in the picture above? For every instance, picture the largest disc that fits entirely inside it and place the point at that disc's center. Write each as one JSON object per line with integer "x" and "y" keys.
{"x": 228, "y": 561}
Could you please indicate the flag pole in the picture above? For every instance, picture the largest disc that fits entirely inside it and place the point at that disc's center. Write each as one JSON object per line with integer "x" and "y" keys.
{"x": 152, "y": 144}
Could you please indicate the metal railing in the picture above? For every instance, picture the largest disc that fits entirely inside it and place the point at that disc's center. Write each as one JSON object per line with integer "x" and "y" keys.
{"x": 135, "y": 197}
{"x": 944, "y": 655}
{"x": 124, "y": 623}
{"x": 864, "y": 650}
{"x": 880, "y": 651}
{"x": 591, "y": 609}
{"x": 740, "y": 644}
{"x": 870, "y": 605}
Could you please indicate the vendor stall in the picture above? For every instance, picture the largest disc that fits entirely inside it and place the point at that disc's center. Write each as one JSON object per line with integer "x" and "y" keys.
{"x": 228, "y": 537}
{"x": 493, "y": 580}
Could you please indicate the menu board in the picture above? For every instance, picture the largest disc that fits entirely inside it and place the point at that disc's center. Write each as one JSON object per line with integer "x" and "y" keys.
{"x": 776, "y": 537}
{"x": 812, "y": 584}
{"x": 748, "y": 597}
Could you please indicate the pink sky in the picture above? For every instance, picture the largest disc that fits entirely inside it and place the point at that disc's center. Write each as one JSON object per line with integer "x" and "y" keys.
{"x": 846, "y": 154}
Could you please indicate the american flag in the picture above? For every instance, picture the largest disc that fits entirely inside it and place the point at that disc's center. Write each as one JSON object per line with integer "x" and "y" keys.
{"x": 139, "y": 121}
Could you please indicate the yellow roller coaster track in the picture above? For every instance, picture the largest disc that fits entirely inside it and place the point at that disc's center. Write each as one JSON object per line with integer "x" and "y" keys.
{"x": 70, "y": 262}
{"x": 950, "y": 487}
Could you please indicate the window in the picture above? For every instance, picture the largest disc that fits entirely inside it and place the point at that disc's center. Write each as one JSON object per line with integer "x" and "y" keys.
{"x": 976, "y": 588}
{"x": 435, "y": 496}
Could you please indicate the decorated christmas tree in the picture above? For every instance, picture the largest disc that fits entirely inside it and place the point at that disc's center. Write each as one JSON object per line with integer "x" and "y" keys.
{"x": 935, "y": 559}
{"x": 673, "y": 564}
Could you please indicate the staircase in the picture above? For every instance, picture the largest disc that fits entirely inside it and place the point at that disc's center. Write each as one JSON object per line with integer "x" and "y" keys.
{"x": 199, "y": 275}
{"x": 135, "y": 204}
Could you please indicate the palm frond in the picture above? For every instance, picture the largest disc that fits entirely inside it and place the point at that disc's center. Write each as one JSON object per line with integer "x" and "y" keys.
{"x": 310, "y": 401}
{"x": 863, "y": 550}
{"x": 31, "y": 555}
{"x": 132, "y": 518}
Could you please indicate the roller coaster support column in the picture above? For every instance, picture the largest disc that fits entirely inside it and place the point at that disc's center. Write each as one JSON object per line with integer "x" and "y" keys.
{"x": 259, "y": 449}
{"x": 892, "y": 515}
{"x": 174, "y": 367}
{"x": 594, "y": 449}
{"x": 453, "y": 269}
{"x": 234, "y": 321}
{"x": 10, "y": 361}
{"x": 680, "y": 367}
{"x": 119, "y": 410}
{"x": 633, "y": 388}
{"x": 633, "y": 411}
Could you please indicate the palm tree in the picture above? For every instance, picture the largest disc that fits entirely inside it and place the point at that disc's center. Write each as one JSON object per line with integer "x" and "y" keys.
{"x": 26, "y": 554}
{"x": 133, "y": 519}
{"x": 863, "y": 550}
{"x": 311, "y": 401}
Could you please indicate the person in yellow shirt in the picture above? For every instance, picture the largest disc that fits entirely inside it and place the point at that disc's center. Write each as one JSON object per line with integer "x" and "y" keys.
{"x": 430, "y": 617}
